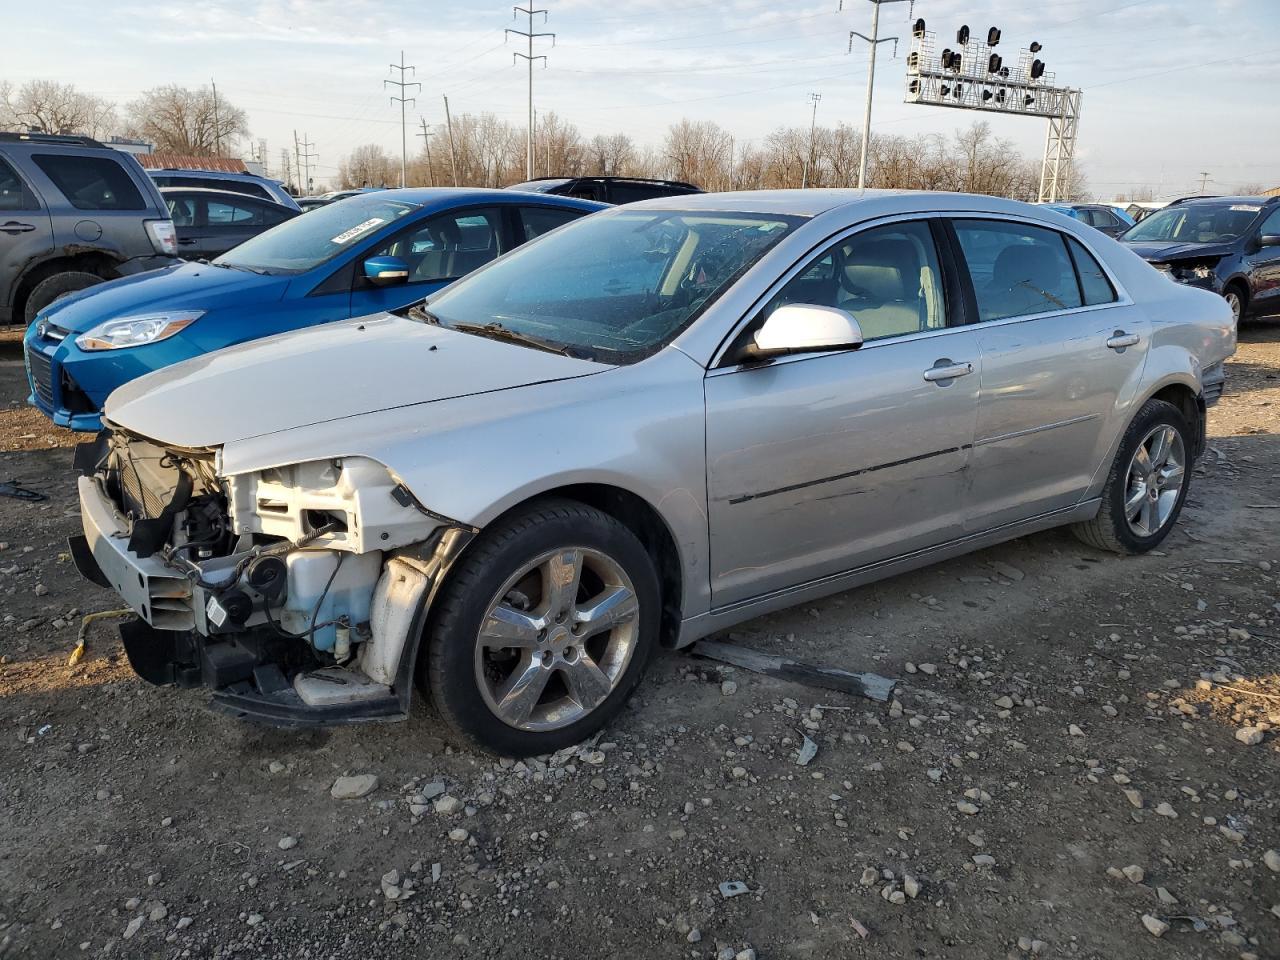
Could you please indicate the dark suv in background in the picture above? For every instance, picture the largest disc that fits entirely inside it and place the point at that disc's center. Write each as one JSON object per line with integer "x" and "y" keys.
{"x": 1230, "y": 245}
{"x": 73, "y": 213}
{"x": 607, "y": 189}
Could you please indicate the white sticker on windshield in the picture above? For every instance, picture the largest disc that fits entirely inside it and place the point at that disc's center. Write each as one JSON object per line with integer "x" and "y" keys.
{"x": 1245, "y": 207}
{"x": 359, "y": 228}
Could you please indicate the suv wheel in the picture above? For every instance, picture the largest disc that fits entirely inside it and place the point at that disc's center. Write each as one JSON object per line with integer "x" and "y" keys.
{"x": 543, "y": 630}
{"x": 59, "y": 285}
{"x": 1147, "y": 485}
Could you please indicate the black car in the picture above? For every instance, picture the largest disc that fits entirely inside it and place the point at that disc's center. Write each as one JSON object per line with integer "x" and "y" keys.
{"x": 73, "y": 213}
{"x": 211, "y": 222}
{"x": 607, "y": 189}
{"x": 1230, "y": 245}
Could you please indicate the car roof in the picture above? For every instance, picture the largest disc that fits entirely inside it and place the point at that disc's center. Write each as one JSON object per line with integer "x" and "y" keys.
{"x": 444, "y": 197}
{"x": 1252, "y": 201}
{"x": 814, "y": 202}
{"x": 215, "y": 192}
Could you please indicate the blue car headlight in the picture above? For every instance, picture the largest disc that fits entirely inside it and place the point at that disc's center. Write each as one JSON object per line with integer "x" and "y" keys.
{"x": 121, "y": 332}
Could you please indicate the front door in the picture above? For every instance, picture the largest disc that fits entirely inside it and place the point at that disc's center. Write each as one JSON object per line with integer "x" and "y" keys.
{"x": 1061, "y": 353}
{"x": 819, "y": 464}
{"x": 1264, "y": 266}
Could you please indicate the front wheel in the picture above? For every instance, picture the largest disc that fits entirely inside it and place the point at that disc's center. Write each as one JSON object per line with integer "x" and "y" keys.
{"x": 543, "y": 630}
{"x": 1147, "y": 484}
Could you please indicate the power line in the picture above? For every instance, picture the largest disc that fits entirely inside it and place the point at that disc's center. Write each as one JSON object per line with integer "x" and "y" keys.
{"x": 529, "y": 35}
{"x": 403, "y": 101}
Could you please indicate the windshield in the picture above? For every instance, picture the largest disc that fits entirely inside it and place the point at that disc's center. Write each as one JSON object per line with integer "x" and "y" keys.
{"x": 304, "y": 243}
{"x": 613, "y": 287}
{"x": 1196, "y": 223}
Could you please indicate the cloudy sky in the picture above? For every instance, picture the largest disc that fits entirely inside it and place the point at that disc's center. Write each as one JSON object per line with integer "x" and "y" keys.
{"x": 1171, "y": 87}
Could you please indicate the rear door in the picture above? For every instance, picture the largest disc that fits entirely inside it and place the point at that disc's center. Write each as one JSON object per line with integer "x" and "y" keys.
{"x": 26, "y": 232}
{"x": 230, "y": 221}
{"x": 1062, "y": 351}
{"x": 94, "y": 199}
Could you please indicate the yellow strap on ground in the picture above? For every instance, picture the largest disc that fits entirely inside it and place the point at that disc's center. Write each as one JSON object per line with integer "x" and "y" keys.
{"x": 82, "y": 636}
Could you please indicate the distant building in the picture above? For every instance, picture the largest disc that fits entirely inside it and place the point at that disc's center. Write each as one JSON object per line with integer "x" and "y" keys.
{"x": 1273, "y": 192}
{"x": 125, "y": 145}
{"x": 167, "y": 160}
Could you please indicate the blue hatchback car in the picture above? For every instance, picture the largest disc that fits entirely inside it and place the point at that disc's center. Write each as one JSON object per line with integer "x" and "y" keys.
{"x": 369, "y": 253}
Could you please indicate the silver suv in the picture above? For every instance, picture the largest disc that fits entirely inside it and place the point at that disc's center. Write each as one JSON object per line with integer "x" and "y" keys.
{"x": 644, "y": 427}
{"x": 72, "y": 214}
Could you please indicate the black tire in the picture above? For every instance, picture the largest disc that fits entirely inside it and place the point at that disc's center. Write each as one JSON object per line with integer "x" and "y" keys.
{"x": 59, "y": 285}
{"x": 496, "y": 555}
{"x": 1110, "y": 529}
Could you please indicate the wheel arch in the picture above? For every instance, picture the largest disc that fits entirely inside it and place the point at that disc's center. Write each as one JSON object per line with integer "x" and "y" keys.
{"x": 1189, "y": 401}
{"x": 96, "y": 262}
{"x": 645, "y": 521}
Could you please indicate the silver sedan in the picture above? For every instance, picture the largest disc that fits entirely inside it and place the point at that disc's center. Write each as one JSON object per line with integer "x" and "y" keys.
{"x": 644, "y": 427}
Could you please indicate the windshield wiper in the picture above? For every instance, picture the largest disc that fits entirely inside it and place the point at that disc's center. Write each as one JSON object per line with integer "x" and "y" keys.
{"x": 241, "y": 266}
{"x": 496, "y": 331}
{"x": 420, "y": 313}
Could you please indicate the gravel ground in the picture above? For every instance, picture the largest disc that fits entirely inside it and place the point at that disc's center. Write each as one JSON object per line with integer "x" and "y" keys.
{"x": 1081, "y": 761}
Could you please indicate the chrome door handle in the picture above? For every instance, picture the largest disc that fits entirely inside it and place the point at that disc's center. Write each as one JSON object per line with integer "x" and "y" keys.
{"x": 1119, "y": 340}
{"x": 946, "y": 370}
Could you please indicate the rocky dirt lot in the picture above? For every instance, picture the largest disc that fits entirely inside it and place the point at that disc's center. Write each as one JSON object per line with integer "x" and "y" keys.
{"x": 1082, "y": 760}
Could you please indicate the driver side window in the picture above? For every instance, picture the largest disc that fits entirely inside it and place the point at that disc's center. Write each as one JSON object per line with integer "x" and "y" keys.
{"x": 887, "y": 277}
{"x": 448, "y": 246}
{"x": 1271, "y": 226}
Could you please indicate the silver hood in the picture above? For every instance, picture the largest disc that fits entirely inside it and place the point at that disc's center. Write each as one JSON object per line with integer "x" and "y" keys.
{"x": 325, "y": 373}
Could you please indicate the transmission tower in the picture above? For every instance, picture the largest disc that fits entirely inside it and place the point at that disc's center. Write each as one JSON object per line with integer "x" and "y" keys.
{"x": 302, "y": 157}
{"x": 529, "y": 35}
{"x": 426, "y": 136}
{"x": 403, "y": 101}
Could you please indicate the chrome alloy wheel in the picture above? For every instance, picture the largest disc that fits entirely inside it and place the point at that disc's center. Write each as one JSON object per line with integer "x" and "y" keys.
{"x": 1156, "y": 475}
{"x": 556, "y": 639}
{"x": 1233, "y": 301}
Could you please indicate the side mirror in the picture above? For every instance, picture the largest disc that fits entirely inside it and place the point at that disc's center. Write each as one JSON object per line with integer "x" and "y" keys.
{"x": 1269, "y": 240}
{"x": 386, "y": 271}
{"x": 804, "y": 328}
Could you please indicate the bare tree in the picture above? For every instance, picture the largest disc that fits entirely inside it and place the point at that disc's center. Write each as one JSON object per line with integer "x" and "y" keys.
{"x": 611, "y": 156}
{"x": 49, "y": 107}
{"x": 700, "y": 151}
{"x": 182, "y": 120}
{"x": 368, "y": 165}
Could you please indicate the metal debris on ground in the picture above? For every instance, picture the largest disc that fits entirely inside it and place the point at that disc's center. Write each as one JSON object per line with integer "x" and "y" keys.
{"x": 859, "y": 929}
{"x": 82, "y": 637}
{"x": 11, "y": 488}
{"x": 808, "y": 750}
{"x": 733, "y": 888}
{"x": 868, "y": 685}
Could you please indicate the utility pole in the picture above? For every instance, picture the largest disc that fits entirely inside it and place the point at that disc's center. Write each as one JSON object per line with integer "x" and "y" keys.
{"x": 1204, "y": 180}
{"x": 453, "y": 153}
{"x": 874, "y": 42}
{"x": 426, "y": 136}
{"x": 403, "y": 101}
{"x": 302, "y": 157}
{"x": 529, "y": 35}
{"x": 217, "y": 133}
{"x": 815, "y": 99}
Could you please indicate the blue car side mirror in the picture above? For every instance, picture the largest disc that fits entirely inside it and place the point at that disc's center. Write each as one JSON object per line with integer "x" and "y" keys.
{"x": 386, "y": 271}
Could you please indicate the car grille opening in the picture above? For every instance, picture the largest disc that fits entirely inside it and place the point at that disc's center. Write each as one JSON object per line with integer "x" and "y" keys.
{"x": 40, "y": 367}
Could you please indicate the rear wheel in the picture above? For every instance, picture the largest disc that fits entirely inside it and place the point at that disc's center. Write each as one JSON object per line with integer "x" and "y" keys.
{"x": 543, "y": 630}
{"x": 1147, "y": 484}
{"x": 59, "y": 285}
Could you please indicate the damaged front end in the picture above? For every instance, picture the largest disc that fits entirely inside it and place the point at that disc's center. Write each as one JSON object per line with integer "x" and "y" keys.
{"x": 296, "y": 593}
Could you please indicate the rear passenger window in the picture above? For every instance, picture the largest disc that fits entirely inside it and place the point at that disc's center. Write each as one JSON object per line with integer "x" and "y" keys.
{"x": 887, "y": 277}
{"x": 223, "y": 214}
{"x": 13, "y": 193}
{"x": 1017, "y": 269}
{"x": 535, "y": 221}
{"x": 1093, "y": 282}
{"x": 91, "y": 183}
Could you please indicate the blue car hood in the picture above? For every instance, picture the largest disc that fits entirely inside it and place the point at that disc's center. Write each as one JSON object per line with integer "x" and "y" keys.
{"x": 188, "y": 286}
{"x": 1162, "y": 250}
